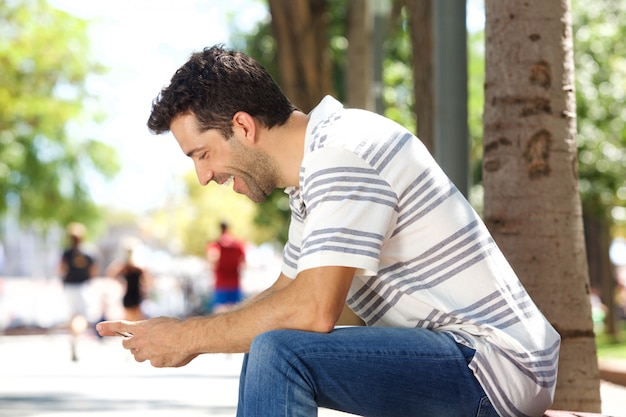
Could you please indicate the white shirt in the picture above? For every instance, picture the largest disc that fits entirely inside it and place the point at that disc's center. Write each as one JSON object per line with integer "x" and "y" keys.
{"x": 372, "y": 197}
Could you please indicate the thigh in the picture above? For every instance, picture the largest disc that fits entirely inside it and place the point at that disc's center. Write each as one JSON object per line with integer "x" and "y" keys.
{"x": 389, "y": 371}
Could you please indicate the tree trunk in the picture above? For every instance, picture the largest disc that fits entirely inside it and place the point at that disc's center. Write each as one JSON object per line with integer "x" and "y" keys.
{"x": 601, "y": 270}
{"x": 420, "y": 16}
{"x": 300, "y": 28}
{"x": 532, "y": 202}
{"x": 359, "y": 76}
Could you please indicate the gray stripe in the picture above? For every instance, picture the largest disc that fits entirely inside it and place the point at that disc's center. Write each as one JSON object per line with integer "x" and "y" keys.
{"x": 371, "y": 199}
{"x": 543, "y": 378}
{"x": 343, "y": 170}
{"x": 426, "y": 276}
{"x": 398, "y": 140}
{"x": 347, "y": 241}
{"x": 291, "y": 255}
{"x": 346, "y": 231}
{"x": 340, "y": 249}
{"x": 343, "y": 240}
{"x": 433, "y": 282}
{"x": 342, "y": 185}
{"x": 498, "y": 398}
{"x": 394, "y": 271}
{"x": 412, "y": 215}
{"x": 398, "y": 144}
{"x": 394, "y": 300}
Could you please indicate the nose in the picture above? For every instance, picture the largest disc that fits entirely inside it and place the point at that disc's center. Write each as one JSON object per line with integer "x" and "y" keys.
{"x": 204, "y": 176}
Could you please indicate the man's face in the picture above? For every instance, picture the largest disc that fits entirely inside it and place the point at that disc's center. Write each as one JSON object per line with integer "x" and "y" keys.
{"x": 218, "y": 159}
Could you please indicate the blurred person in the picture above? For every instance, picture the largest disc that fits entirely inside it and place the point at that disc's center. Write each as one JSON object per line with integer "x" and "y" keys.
{"x": 620, "y": 300}
{"x": 226, "y": 256}
{"x": 598, "y": 310}
{"x": 134, "y": 279}
{"x": 1, "y": 258}
{"x": 376, "y": 224}
{"x": 76, "y": 268}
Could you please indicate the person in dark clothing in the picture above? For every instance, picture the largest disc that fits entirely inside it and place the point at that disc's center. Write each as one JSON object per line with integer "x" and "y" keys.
{"x": 134, "y": 280}
{"x": 76, "y": 268}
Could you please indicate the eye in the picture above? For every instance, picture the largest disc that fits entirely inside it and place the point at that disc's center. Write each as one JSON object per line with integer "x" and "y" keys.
{"x": 203, "y": 156}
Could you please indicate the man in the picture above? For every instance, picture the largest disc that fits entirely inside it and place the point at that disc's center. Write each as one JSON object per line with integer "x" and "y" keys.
{"x": 226, "y": 256}
{"x": 375, "y": 223}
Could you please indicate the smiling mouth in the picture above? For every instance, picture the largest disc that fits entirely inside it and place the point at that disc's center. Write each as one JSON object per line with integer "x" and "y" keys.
{"x": 228, "y": 181}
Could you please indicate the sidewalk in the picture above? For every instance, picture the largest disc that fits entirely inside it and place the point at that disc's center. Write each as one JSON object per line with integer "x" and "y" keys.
{"x": 38, "y": 379}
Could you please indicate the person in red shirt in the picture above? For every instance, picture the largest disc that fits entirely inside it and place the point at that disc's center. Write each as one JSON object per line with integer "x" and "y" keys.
{"x": 226, "y": 256}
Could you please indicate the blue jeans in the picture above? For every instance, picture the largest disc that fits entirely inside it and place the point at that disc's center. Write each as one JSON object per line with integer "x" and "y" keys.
{"x": 368, "y": 371}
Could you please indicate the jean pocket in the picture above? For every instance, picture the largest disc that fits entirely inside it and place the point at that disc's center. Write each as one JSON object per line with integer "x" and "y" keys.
{"x": 485, "y": 409}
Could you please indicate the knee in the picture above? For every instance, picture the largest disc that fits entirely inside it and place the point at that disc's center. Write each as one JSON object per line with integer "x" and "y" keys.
{"x": 270, "y": 346}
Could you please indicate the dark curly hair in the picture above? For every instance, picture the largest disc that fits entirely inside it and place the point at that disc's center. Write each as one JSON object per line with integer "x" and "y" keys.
{"x": 215, "y": 84}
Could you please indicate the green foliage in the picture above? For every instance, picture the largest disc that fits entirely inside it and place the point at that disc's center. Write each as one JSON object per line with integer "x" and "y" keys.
{"x": 273, "y": 215}
{"x": 600, "y": 59}
{"x": 187, "y": 227}
{"x": 610, "y": 347}
{"x": 43, "y": 170}
{"x": 397, "y": 75}
{"x": 476, "y": 100}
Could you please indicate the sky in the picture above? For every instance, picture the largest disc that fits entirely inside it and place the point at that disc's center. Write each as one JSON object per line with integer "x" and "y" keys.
{"x": 143, "y": 42}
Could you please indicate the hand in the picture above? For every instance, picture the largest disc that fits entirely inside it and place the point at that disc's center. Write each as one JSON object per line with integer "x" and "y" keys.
{"x": 157, "y": 340}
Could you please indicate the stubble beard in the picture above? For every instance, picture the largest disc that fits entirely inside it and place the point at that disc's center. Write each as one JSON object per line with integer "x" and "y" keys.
{"x": 257, "y": 170}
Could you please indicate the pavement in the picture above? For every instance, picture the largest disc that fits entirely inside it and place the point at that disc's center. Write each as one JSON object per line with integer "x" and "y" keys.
{"x": 38, "y": 379}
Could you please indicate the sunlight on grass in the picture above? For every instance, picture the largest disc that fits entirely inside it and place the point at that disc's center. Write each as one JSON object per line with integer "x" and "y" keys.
{"x": 609, "y": 347}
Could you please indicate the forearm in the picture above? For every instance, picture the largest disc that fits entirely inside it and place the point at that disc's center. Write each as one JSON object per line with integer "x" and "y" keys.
{"x": 229, "y": 332}
{"x": 311, "y": 302}
{"x": 286, "y": 305}
{"x": 234, "y": 330}
{"x": 281, "y": 282}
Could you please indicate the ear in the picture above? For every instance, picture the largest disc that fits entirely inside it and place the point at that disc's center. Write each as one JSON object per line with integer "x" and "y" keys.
{"x": 245, "y": 125}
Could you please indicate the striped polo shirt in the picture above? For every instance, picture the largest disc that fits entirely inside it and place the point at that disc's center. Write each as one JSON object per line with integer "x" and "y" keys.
{"x": 371, "y": 197}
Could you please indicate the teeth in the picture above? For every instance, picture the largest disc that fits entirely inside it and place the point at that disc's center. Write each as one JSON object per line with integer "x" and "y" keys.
{"x": 229, "y": 181}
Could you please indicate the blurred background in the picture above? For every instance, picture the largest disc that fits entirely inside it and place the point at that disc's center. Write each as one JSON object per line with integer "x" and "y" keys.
{"x": 78, "y": 79}
{"x": 76, "y": 84}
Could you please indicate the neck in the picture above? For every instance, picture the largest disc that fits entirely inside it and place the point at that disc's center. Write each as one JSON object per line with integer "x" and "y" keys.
{"x": 286, "y": 146}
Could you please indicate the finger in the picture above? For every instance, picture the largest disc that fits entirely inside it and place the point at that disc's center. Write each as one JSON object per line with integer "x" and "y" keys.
{"x": 130, "y": 344}
{"x": 115, "y": 328}
{"x": 139, "y": 356}
{"x": 185, "y": 361}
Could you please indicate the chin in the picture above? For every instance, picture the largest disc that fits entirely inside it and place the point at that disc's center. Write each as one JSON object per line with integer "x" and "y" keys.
{"x": 257, "y": 199}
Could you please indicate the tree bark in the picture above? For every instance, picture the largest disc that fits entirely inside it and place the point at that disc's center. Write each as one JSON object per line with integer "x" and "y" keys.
{"x": 300, "y": 29}
{"x": 359, "y": 74}
{"x": 420, "y": 14}
{"x": 532, "y": 202}
{"x": 601, "y": 270}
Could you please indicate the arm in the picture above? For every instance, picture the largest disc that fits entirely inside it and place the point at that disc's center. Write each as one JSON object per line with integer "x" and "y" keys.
{"x": 63, "y": 267}
{"x": 213, "y": 255}
{"x": 313, "y": 302}
{"x": 93, "y": 269}
{"x": 114, "y": 270}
